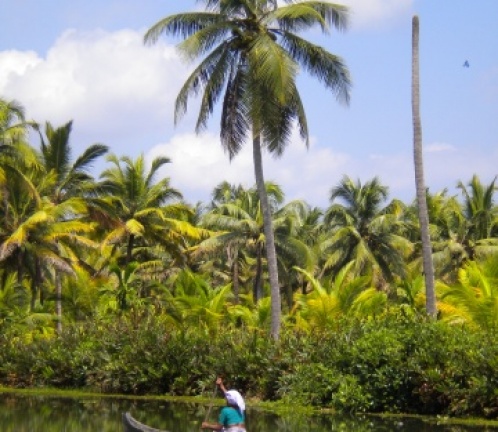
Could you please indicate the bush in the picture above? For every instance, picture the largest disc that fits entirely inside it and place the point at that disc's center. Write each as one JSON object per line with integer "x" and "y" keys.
{"x": 390, "y": 364}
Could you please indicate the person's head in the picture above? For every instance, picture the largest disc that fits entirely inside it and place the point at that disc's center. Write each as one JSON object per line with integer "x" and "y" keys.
{"x": 235, "y": 400}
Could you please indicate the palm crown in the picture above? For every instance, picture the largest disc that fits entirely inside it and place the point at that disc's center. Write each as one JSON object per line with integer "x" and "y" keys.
{"x": 252, "y": 56}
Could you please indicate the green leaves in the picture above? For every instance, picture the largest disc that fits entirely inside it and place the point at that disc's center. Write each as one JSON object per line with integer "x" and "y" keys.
{"x": 251, "y": 61}
{"x": 183, "y": 25}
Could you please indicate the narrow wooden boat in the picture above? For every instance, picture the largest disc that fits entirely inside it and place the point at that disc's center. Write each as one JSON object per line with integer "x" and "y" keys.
{"x": 132, "y": 425}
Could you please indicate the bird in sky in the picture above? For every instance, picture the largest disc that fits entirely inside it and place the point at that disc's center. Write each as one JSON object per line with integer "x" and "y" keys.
{"x": 466, "y": 64}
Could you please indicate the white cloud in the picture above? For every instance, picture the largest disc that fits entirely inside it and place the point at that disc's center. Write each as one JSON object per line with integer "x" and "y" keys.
{"x": 438, "y": 147}
{"x": 372, "y": 13}
{"x": 199, "y": 164}
{"x": 366, "y": 14}
{"x": 109, "y": 83}
{"x": 14, "y": 64}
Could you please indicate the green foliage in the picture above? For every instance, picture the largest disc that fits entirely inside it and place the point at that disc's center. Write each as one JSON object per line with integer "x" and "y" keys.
{"x": 395, "y": 363}
{"x": 176, "y": 309}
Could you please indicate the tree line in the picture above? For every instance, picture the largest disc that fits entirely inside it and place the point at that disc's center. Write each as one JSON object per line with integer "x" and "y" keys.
{"x": 74, "y": 248}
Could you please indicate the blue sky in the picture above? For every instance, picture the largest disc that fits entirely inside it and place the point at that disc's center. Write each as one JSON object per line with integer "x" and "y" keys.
{"x": 84, "y": 60}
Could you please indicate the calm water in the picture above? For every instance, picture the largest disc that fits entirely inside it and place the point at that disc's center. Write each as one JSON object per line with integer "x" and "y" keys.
{"x": 54, "y": 414}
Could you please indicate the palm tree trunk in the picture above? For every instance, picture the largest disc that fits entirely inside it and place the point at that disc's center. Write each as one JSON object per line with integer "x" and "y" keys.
{"x": 20, "y": 266}
{"x": 419, "y": 177}
{"x": 38, "y": 278}
{"x": 233, "y": 260}
{"x": 257, "y": 289}
{"x": 58, "y": 301}
{"x": 271, "y": 254}
{"x": 236, "y": 289}
{"x": 129, "y": 249}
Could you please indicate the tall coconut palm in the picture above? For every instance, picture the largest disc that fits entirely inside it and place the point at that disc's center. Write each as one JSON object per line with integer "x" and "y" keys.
{"x": 252, "y": 55}
{"x": 419, "y": 176}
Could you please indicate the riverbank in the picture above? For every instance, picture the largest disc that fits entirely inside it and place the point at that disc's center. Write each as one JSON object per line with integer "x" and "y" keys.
{"x": 272, "y": 407}
{"x": 395, "y": 365}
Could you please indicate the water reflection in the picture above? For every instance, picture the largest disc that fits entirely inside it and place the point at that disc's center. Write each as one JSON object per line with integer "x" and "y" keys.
{"x": 54, "y": 414}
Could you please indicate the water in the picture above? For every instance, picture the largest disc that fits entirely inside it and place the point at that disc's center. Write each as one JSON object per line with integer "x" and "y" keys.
{"x": 55, "y": 414}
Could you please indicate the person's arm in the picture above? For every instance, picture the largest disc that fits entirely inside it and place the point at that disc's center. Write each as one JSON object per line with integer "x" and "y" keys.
{"x": 219, "y": 383}
{"x": 213, "y": 426}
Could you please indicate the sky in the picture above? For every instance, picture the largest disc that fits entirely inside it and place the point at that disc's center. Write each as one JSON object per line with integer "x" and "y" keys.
{"x": 85, "y": 61}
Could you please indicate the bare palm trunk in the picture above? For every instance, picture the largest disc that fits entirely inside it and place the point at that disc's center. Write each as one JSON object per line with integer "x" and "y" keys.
{"x": 271, "y": 254}
{"x": 419, "y": 176}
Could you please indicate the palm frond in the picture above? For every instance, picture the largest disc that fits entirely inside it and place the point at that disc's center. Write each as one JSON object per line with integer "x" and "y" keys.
{"x": 328, "y": 68}
{"x": 235, "y": 121}
{"x": 307, "y": 14}
{"x": 183, "y": 25}
{"x": 197, "y": 80}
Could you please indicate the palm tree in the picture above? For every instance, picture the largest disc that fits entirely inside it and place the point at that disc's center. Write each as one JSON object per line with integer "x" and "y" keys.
{"x": 13, "y": 124}
{"x": 140, "y": 210}
{"x": 240, "y": 228}
{"x": 193, "y": 301}
{"x": 16, "y": 155}
{"x": 294, "y": 242}
{"x": 241, "y": 231}
{"x": 474, "y": 297}
{"x": 34, "y": 239}
{"x": 347, "y": 294}
{"x": 252, "y": 56}
{"x": 226, "y": 245}
{"x": 360, "y": 230}
{"x": 462, "y": 231}
{"x": 479, "y": 209}
{"x": 308, "y": 228}
{"x": 71, "y": 180}
{"x": 447, "y": 229}
{"x": 14, "y": 298}
{"x": 419, "y": 176}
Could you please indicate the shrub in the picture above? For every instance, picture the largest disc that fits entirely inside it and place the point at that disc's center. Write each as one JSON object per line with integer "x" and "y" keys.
{"x": 394, "y": 363}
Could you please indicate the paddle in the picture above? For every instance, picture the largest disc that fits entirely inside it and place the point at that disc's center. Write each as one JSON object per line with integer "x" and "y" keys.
{"x": 211, "y": 404}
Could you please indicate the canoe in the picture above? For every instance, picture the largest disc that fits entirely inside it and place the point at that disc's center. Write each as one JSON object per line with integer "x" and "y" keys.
{"x": 132, "y": 425}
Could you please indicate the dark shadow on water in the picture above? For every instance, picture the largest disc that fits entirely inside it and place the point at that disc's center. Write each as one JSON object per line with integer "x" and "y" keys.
{"x": 20, "y": 413}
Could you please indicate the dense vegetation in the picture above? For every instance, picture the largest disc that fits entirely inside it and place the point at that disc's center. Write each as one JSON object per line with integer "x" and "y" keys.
{"x": 397, "y": 363}
{"x": 116, "y": 283}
